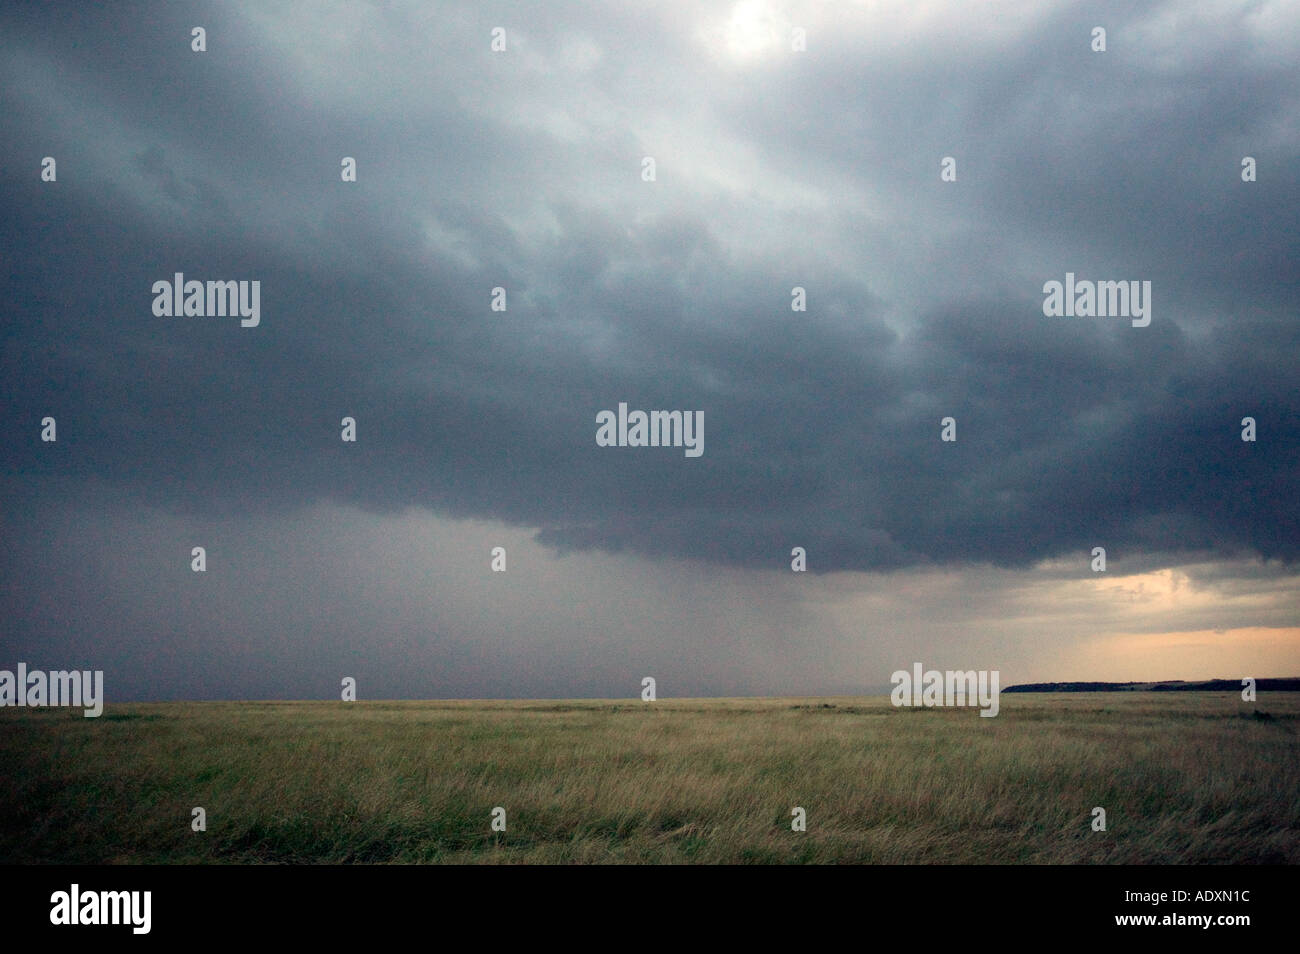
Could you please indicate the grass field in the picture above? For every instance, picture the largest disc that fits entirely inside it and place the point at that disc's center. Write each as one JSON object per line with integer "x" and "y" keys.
{"x": 1183, "y": 777}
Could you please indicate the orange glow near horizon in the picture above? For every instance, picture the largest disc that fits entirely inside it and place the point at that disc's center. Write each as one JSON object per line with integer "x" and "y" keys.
{"x": 1259, "y": 652}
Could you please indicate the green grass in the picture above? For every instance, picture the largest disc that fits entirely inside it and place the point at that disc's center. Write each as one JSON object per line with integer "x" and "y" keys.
{"x": 1184, "y": 778}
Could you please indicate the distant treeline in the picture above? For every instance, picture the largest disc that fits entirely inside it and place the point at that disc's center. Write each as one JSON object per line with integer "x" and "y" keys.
{"x": 1172, "y": 685}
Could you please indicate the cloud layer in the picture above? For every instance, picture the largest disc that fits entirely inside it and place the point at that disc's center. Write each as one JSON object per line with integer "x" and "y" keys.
{"x": 775, "y": 169}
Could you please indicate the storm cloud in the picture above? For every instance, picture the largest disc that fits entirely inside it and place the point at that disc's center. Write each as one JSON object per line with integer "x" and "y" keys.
{"x": 775, "y": 168}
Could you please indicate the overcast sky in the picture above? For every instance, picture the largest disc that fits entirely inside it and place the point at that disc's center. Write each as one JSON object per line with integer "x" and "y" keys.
{"x": 523, "y": 169}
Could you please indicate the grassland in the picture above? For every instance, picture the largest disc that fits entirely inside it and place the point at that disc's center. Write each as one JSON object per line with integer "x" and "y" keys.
{"x": 1184, "y": 778}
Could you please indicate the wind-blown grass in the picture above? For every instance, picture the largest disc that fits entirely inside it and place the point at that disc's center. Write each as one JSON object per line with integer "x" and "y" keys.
{"x": 1184, "y": 778}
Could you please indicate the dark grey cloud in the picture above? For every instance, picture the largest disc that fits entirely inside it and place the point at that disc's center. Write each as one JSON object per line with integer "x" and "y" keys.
{"x": 821, "y": 428}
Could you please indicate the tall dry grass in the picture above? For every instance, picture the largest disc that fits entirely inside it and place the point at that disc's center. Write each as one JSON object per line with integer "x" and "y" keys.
{"x": 1183, "y": 777}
